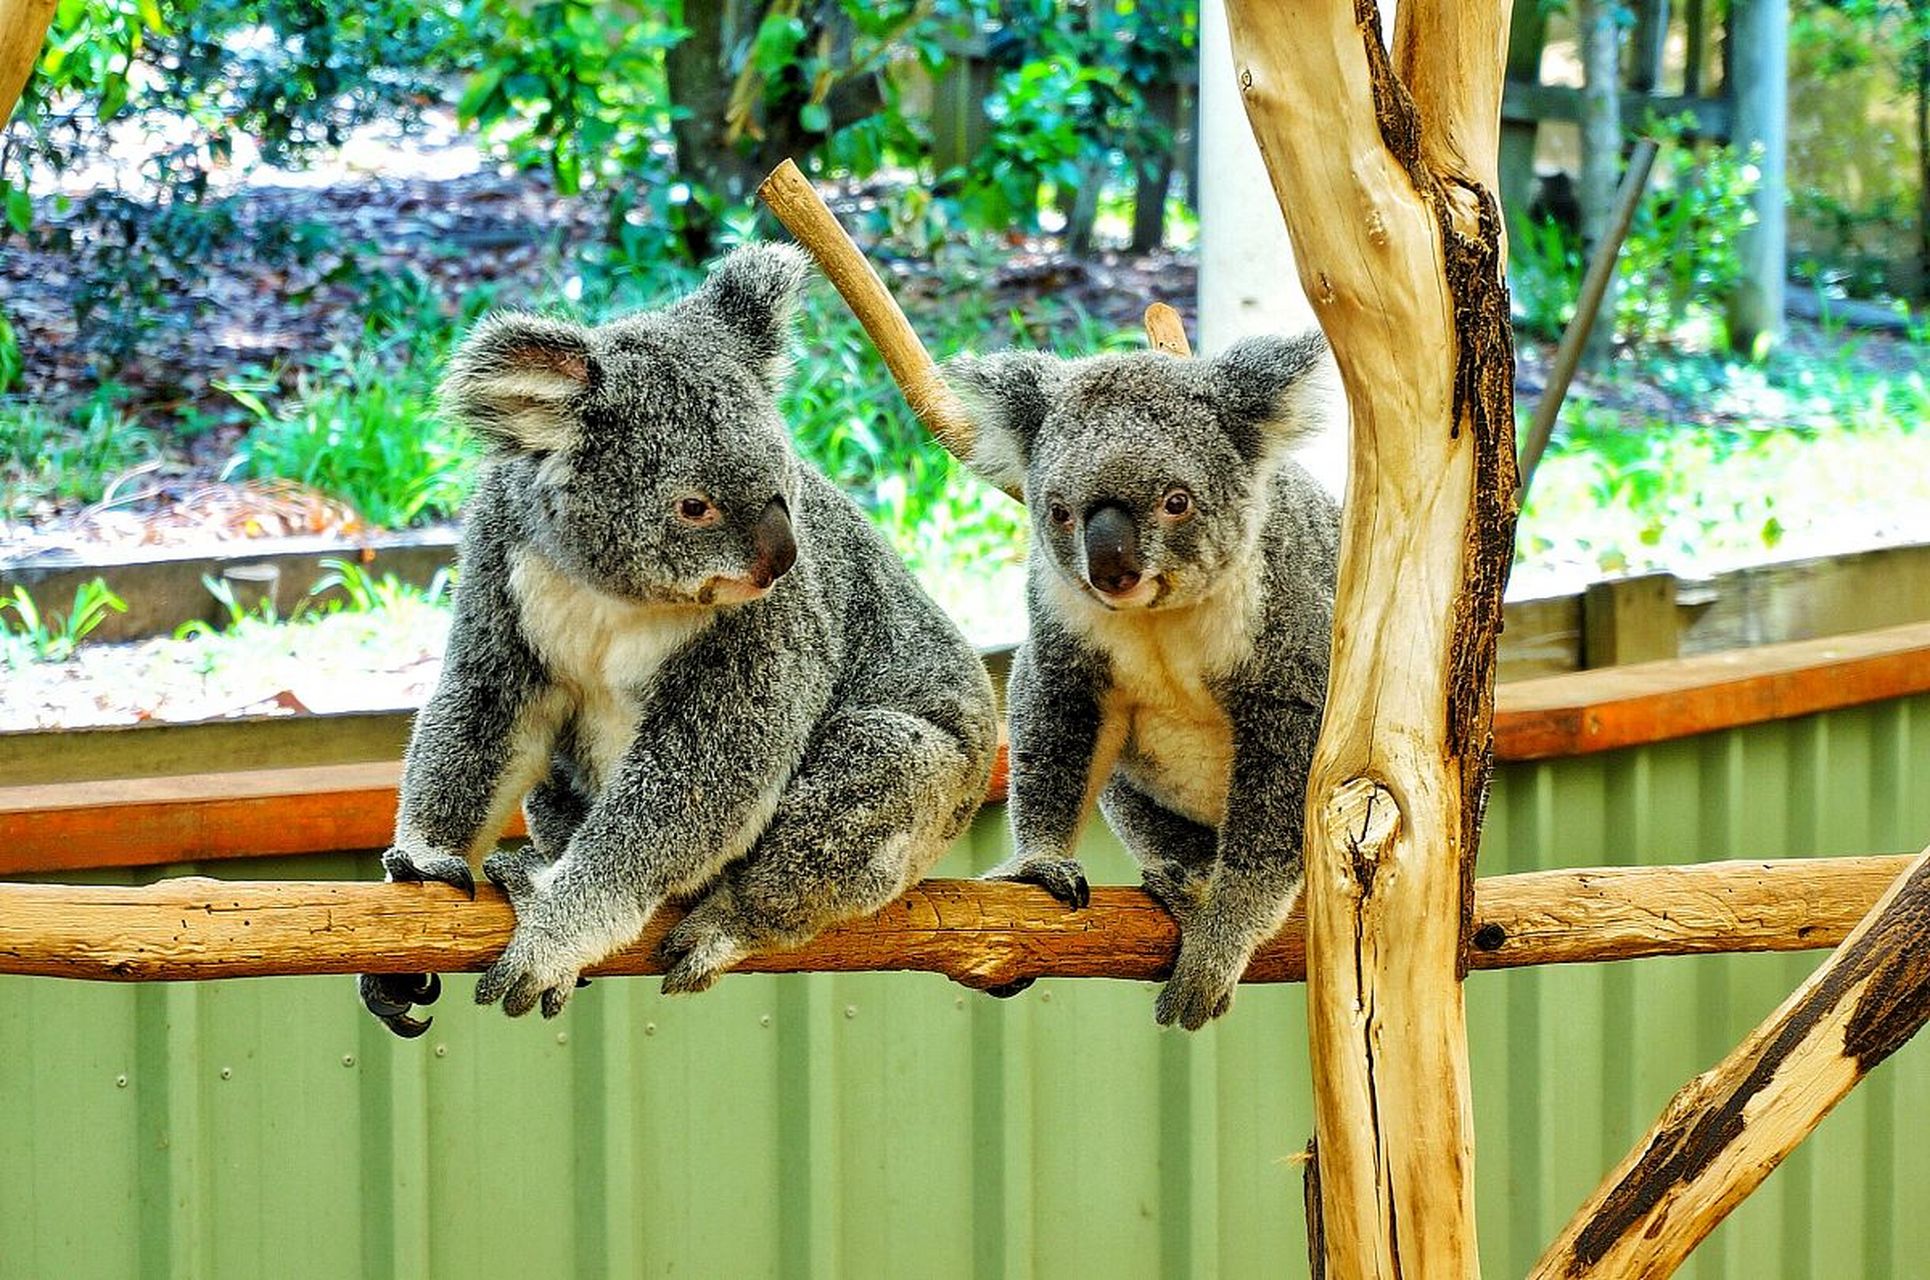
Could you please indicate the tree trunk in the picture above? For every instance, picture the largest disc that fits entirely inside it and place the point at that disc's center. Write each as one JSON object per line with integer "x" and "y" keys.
{"x": 1153, "y": 174}
{"x": 699, "y": 83}
{"x": 1527, "y": 35}
{"x": 1601, "y": 151}
{"x": 1759, "y": 50}
{"x": 1387, "y": 182}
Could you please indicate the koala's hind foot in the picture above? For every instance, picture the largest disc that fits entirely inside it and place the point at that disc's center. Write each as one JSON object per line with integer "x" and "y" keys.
{"x": 1063, "y": 878}
{"x": 391, "y": 997}
{"x": 562, "y": 924}
{"x": 878, "y": 797}
{"x": 415, "y": 867}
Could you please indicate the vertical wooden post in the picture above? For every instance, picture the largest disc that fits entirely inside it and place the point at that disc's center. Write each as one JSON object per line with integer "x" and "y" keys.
{"x": 23, "y": 30}
{"x": 1386, "y": 172}
{"x": 1759, "y": 90}
{"x": 1527, "y": 35}
{"x": 1601, "y": 111}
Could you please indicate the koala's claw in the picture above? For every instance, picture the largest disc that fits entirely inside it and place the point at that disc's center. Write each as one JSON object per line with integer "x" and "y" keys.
{"x": 1063, "y": 878}
{"x": 701, "y": 949}
{"x": 526, "y": 975}
{"x": 414, "y": 868}
{"x": 389, "y": 996}
{"x": 1196, "y": 994}
{"x": 1180, "y": 891}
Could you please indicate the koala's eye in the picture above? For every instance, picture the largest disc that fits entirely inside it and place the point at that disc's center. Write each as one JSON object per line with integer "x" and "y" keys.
{"x": 1061, "y": 514}
{"x": 694, "y": 510}
{"x": 1178, "y": 503}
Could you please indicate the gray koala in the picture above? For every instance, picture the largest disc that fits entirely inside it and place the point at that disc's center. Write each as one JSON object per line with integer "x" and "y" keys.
{"x": 1180, "y": 593}
{"x": 701, "y": 671}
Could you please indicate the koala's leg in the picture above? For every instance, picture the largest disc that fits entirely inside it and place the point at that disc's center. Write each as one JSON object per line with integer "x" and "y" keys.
{"x": 476, "y": 748}
{"x": 1175, "y": 853}
{"x": 880, "y": 795}
{"x": 552, "y": 811}
{"x": 1257, "y": 873}
{"x": 1063, "y": 749}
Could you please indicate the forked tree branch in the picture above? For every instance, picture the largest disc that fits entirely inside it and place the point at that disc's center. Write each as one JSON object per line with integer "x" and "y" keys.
{"x": 1728, "y": 1129}
{"x": 1387, "y": 190}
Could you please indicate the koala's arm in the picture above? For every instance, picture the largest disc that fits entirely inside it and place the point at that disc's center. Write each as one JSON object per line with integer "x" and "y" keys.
{"x": 1258, "y": 870}
{"x": 480, "y": 742}
{"x": 1062, "y": 752}
{"x": 727, "y": 721}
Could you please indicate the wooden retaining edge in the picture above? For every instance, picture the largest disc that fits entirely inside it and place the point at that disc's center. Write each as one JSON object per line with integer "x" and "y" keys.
{"x": 979, "y": 933}
{"x": 145, "y": 821}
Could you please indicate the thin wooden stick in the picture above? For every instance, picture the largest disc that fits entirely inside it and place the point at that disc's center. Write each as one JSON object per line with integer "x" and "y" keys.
{"x": 1729, "y": 1128}
{"x": 798, "y": 206}
{"x": 1165, "y": 331}
{"x": 1568, "y": 355}
{"x": 979, "y": 933}
{"x": 23, "y": 31}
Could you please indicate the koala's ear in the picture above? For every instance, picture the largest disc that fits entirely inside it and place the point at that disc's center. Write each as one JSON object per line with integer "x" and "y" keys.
{"x": 1008, "y": 396}
{"x": 752, "y": 293}
{"x": 513, "y": 378}
{"x": 1273, "y": 392}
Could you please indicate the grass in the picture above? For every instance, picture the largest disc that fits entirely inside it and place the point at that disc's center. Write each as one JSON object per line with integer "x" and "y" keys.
{"x": 1801, "y": 456}
{"x": 75, "y": 459}
{"x": 33, "y": 635}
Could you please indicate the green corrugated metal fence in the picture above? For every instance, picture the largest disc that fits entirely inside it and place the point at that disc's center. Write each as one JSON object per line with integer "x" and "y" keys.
{"x": 888, "y": 1125}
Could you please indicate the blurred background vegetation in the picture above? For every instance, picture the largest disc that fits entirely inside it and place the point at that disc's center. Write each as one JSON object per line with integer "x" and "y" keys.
{"x": 240, "y": 235}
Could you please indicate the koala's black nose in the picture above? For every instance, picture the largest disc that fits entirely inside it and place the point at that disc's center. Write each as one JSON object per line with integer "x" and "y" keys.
{"x": 1112, "y": 549}
{"x": 775, "y": 547}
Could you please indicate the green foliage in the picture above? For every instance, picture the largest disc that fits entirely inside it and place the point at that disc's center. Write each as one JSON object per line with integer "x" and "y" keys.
{"x": 1680, "y": 262}
{"x": 1676, "y": 269}
{"x": 366, "y": 434}
{"x": 363, "y": 592}
{"x": 44, "y": 458}
{"x": 31, "y": 636}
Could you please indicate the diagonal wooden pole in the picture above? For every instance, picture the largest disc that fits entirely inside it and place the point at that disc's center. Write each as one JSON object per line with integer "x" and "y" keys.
{"x": 23, "y": 30}
{"x": 1728, "y": 1129}
{"x": 1385, "y": 171}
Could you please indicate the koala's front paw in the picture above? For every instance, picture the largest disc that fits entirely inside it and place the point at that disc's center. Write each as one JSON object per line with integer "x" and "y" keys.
{"x": 421, "y": 865}
{"x": 536, "y": 966}
{"x": 1063, "y": 878}
{"x": 706, "y": 943}
{"x": 1200, "y": 989}
{"x": 390, "y": 997}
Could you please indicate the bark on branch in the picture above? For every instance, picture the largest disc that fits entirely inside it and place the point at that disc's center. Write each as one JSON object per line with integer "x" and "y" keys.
{"x": 23, "y": 29}
{"x": 1729, "y": 1128}
{"x": 1387, "y": 184}
{"x": 980, "y": 933}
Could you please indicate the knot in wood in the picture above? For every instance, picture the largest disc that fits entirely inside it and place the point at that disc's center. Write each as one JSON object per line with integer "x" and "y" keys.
{"x": 1363, "y": 818}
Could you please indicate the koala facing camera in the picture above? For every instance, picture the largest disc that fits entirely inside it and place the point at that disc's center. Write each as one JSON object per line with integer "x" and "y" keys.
{"x": 690, "y": 658}
{"x": 1180, "y": 592}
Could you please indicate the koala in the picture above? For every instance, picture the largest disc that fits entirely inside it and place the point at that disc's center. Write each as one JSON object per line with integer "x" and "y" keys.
{"x": 690, "y": 658}
{"x": 1180, "y": 592}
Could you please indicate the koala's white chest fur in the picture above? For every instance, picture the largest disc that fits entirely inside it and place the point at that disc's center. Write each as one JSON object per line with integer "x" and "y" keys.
{"x": 1177, "y": 743}
{"x": 601, "y": 651}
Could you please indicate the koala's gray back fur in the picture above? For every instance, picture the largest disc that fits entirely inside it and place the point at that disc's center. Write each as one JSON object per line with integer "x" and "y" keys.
{"x": 753, "y": 708}
{"x": 1177, "y": 663}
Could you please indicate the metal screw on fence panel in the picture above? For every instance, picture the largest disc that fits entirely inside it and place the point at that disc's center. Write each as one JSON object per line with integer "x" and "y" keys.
{"x": 851, "y": 1011}
{"x": 1046, "y": 996}
{"x": 348, "y": 1059}
{"x": 562, "y": 1037}
{"x": 650, "y": 1028}
{"x": 764, "y": 1020}
{"x": 227, "y": 1073}
{"x": 120, "y": 1082}
{"x": 442, "y": 1051}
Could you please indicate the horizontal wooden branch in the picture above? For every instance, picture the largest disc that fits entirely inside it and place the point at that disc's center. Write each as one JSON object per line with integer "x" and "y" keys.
{"x": 975, "y": 932}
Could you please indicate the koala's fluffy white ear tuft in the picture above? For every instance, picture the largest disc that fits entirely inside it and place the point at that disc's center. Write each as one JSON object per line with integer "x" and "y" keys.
{"x": 1008, "y": 396}
{"x": 752, "y": 291}
{"x": 1273, "y": 392}
{"x": 513, "y": 379}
